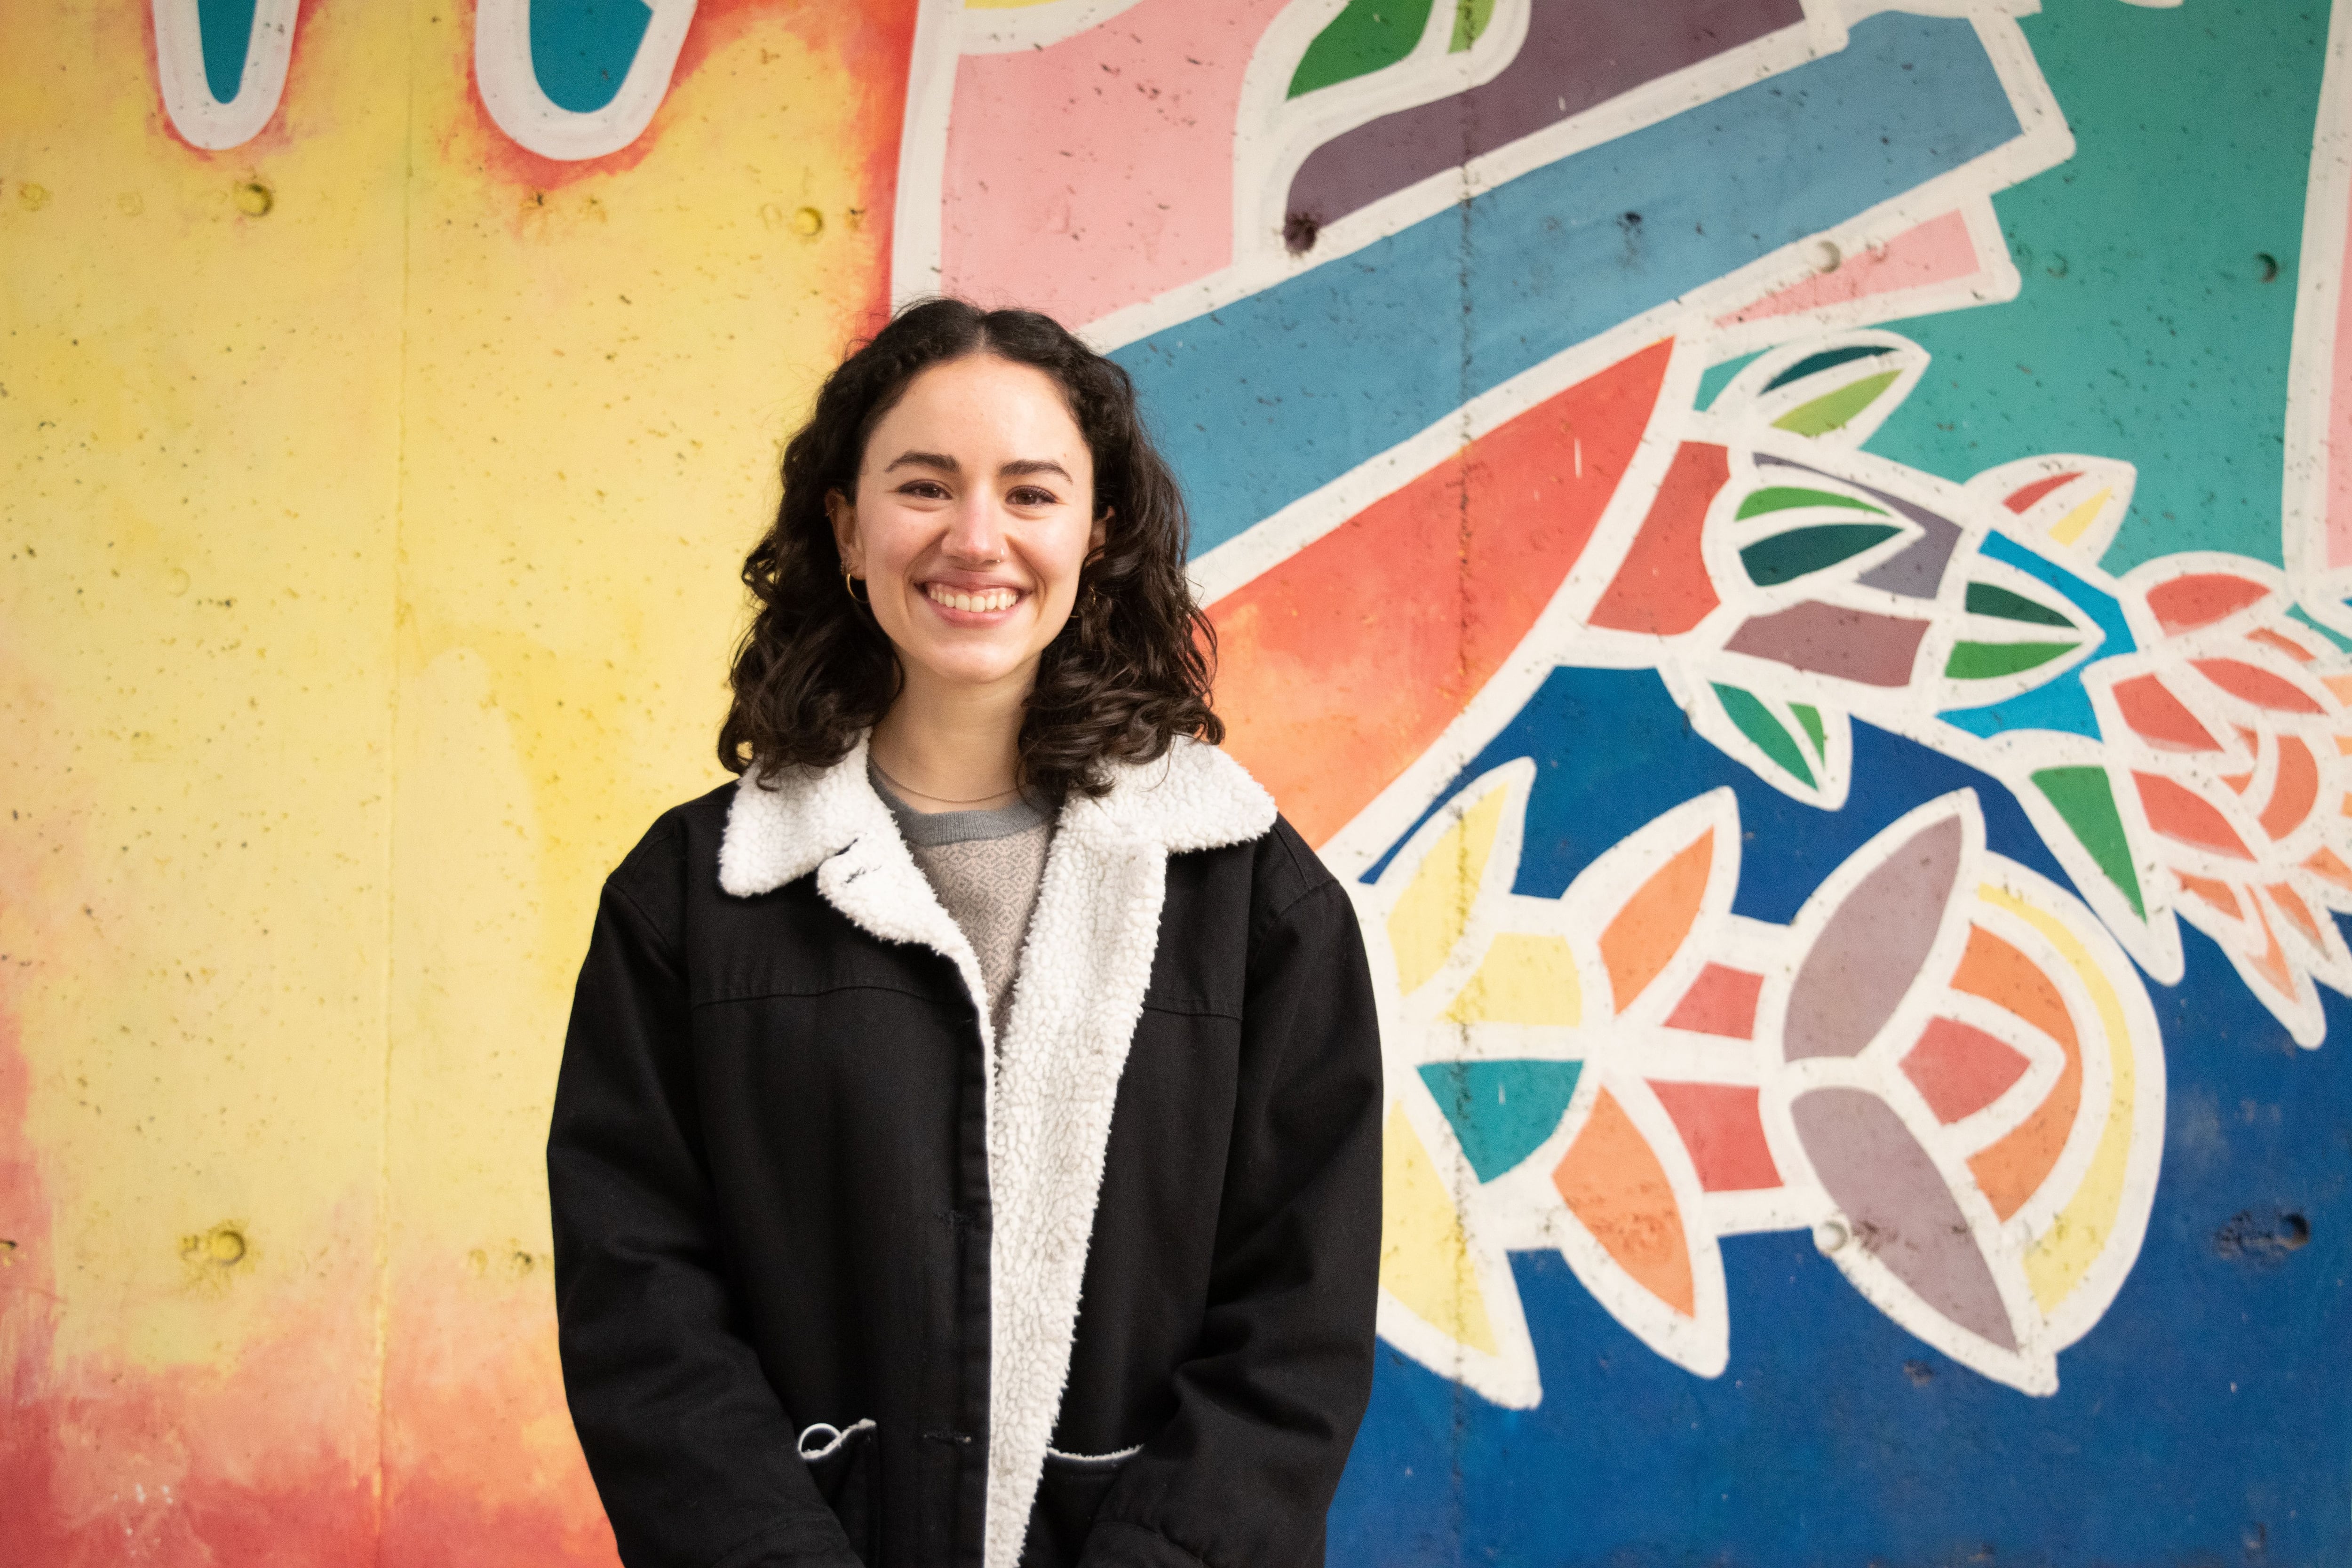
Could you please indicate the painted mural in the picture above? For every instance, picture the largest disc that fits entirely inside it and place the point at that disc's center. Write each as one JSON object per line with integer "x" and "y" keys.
{"x": 1797, "y": 555}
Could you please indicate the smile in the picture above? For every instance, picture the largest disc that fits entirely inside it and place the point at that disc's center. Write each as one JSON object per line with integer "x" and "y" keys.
{"x": 980, "y": 601}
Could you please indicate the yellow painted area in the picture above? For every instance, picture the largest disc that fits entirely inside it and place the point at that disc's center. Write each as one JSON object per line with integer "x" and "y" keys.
{"x": 1424, "y": 1257}
{"x": 367, "y": 581}
{"x": 2072, "y": 526}
{"x": 2063, "y": 1254}
{"x": 1522, "y": 980}
{"x": 1435, "y": 909}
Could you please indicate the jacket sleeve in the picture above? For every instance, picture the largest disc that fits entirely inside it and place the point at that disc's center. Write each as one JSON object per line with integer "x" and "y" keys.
{"x": 1268, "y": 1404}
{"x": 695, "y": 1460}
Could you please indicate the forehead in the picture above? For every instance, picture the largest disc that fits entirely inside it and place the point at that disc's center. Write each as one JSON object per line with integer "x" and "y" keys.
{"x": 980, "y": 406}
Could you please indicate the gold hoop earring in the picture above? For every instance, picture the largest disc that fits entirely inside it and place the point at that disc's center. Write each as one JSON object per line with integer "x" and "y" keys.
{"x": 849, "y": 586}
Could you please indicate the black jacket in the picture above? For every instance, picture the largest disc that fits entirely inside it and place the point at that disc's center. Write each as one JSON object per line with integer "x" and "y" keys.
{"x": 819, "y": 1270}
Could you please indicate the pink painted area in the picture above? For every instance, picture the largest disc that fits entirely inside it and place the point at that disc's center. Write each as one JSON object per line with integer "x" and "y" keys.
{"x": 1097, "y": 172}
{"x": 1723, "y": 1133}
{"x": 1721, "y": 1000}
{"x": 2339, "y": 419}
{"x": 1937, "y": 251}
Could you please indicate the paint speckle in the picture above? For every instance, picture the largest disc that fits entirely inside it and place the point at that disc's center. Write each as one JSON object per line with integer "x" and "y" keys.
{"x": 32, "y": 197}
{"x": 808, "y": 223}
{"x": 254, "y": 199}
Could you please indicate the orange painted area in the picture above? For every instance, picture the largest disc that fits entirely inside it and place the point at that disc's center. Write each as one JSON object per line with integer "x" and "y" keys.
{"x": 2255, "y": 685}
{"x": 2297, "y": 790}
{"x": 1663, "y": 586}
{"x": 2009, "y": 1169}
{"x": 1646, "y": 933}
{"x": 2184, "y": 603}
{"x": 2020, "y": 499}
{"x": 1614, "y": 1185}
{"x": 1338, "y": 666}
{"x": 2159, "y": 718}
{"x": 2180, "y": 813}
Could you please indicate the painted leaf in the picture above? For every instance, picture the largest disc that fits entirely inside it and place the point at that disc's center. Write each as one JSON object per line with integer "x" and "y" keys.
{"x": 2085, "y": 801}
{"x": 2002, "y": 604}
{"x": 1802, "y": 551}
{"x": 1870, "y": 950}
{"x": 1780, "y": 498}
{"x": 1986, "y": 661}
{"x": 1369, "y": 35}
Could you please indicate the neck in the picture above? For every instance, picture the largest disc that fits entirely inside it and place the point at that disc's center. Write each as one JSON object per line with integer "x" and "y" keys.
{"x": 952, "y": 743}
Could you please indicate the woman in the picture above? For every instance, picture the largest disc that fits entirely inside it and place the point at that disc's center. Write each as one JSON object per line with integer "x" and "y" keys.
{"x": 884, "y": 1232}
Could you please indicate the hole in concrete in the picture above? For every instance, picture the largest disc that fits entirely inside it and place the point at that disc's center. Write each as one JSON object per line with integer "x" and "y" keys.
{"x": 1299, "y": 232}
{"x": 2267, "y": 266}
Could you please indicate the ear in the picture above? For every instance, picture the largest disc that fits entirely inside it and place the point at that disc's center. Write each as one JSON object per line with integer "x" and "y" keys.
{"x": 843, "y": 514}
{"x": 1098, "y": 534}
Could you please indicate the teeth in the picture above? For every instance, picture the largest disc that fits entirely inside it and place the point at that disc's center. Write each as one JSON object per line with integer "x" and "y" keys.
{"x": 985, "y": 600}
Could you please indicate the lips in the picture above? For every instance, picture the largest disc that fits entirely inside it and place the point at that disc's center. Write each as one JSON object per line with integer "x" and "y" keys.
{"x": 976, "y": 601}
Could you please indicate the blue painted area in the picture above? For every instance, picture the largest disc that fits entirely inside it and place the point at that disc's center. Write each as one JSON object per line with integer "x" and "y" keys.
{"x": 2207, "y": 1411}
{"x": 1261, "y": 402}
{"x": 1613, "y": 752}
{"x": 581, "y": 50}
{"x": 226, "y": 30}
{"x": 1501, "y": 1111}
{"x": 2062, "y": 704}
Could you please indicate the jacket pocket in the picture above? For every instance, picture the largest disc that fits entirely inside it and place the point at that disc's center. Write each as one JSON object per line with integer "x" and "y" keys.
{"x": 846, "y": 1463}
{"x": 1069, "y": 1494}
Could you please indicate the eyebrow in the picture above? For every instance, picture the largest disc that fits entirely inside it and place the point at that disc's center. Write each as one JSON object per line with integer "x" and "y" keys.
{"x": 1019, "y": 468}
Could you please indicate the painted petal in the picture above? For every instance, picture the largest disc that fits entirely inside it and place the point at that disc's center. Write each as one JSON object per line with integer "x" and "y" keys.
{"x": 1435, "y": 909}
{"x": 1902, "y": 1213}
{"x": 2296, "y": 792}
{"x": 1501, "y": 1111}
{"x": 1663, "y": 586}
{"x": 2295, "y": 650}
{"x": 2009, "y": 1171}
{"x": 2159, "y": 718}
{"x": 1523, "y": 979}
{"x": 2201, "y": 598}
{"x": 2084, "y": 799}
{"x": 2021, "y": 501}
{"x": 1645, "y": 935}
{"x": 1873, "y": 945}
{"x": 1424, "y": 1255}
{"x": 2256, "y": 685}
{"x": 2180, "y": 814}
{"x": 1860, "y": 645}
{"x": 2002, "y": 604}
{"x": 1613, "y": 1185}
{"x": 1959, "y": 1070}
{"x": 1725, "y": 1135}
{"x": 1802, "y": 551}
{"x": 1721, "y": 1000}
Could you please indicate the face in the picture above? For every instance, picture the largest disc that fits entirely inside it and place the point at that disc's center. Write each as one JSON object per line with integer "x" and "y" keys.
{"x": 974, "y": 516}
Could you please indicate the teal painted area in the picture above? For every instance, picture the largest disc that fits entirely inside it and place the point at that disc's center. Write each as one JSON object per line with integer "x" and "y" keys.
{"x": 1715, "y": 377}
{"x": 2343, "y": 644}
{"x": 581, "y": 50}
{"x": 226, "y": 28}
{"x": 2144, "y": 330}
{"x": 1501, "y": 1111}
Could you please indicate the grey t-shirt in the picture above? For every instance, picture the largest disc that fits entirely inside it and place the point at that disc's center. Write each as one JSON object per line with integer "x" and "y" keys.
{"x": 986, "y": 867}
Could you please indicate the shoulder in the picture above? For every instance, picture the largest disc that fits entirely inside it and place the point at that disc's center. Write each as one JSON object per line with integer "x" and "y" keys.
{"x": 678, "y": 854}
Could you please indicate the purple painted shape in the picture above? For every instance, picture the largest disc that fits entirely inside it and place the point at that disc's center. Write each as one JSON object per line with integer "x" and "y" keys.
{"x": 1872, "y": 946}
{"x": 1902, "y": 1212}
{"x": 1577, "y": 53}
{"x": 1914, "y": 571}
{"x": 1860, "y": 645}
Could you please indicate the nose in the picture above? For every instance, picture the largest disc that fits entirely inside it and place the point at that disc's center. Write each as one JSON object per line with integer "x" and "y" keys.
{"x": 975, "y": 533}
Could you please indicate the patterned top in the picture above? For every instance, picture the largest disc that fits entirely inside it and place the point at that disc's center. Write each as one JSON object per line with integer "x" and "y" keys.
{"x": 986, "y": 867}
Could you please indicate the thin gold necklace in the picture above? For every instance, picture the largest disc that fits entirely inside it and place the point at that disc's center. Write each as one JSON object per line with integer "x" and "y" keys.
{"x": 943, "y": 800}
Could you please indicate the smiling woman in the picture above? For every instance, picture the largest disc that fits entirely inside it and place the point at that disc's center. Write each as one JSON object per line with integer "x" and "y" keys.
{"x": 968, "y": 1141}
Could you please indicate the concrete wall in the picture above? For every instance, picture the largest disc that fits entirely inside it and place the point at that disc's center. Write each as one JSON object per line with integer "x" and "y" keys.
{"x": 1796, "y": 555}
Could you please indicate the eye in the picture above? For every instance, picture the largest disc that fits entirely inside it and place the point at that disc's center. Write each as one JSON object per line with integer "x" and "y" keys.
{"x": 1030, "y": 495}
{"x": 924, "y": 490}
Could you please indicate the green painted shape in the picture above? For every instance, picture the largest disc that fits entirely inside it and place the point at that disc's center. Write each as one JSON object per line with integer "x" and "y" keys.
{"x": 1828, "y": 359}
{"x": 1802, "y": 550}
{"x": 2343, "y": 644}
{"x": 1984, "y": 660}
{"x": 1501, "y": 1111}
{"x": 1470, "y": 19}
{"x": 1987, "y": 599}
{"x": 2086, "y": 802}
{"x": 1369, "y": 35}
{"x": 1780, "y": 498}
{"x": 1756, "y": 723}
{"x": 2143, "y": 329}
{"x": 1811, "y": 718}
{"x": 1834, "y": 410}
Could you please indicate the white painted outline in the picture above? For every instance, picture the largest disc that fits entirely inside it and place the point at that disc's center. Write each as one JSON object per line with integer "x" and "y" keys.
{"x": 2311, "y": 360}
{"x": 195, "y": 114}
{"x": 509, "y": 80}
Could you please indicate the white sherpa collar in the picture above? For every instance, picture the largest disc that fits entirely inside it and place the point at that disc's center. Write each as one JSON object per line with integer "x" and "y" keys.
{"x": 1084, "y": 968}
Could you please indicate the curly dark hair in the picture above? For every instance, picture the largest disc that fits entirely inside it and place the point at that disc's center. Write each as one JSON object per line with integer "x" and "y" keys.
{"x": 1126, "y": 674}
